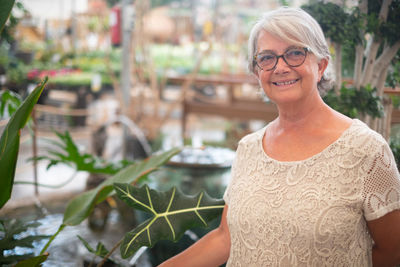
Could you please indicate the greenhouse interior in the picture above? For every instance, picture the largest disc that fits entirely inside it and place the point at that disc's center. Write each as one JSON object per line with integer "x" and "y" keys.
{"x": 110, "y": 108}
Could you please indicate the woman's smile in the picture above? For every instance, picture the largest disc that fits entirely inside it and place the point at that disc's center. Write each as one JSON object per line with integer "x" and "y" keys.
{"x": 285, "y": 83}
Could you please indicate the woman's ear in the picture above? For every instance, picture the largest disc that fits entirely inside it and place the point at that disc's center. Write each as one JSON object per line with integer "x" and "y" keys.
{"x": 322, "y": 65}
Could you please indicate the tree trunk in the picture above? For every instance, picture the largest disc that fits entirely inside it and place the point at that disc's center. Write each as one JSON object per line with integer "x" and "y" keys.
{"x": 358, "y": 66}
{"x": 383, "y": 13}
{"x": 383, "y": 62}
{"x": 387, "y": 119}
{"x": 369, "y": 63}
{"x": 380, "y": 81}
{"x": 338, "y": 67}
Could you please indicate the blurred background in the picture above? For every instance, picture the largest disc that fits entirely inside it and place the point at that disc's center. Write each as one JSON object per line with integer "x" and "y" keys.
{"x": 129, "y": 79}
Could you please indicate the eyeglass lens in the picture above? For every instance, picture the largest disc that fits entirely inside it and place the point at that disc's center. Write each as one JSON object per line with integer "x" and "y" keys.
{"x": 294, "y": 57}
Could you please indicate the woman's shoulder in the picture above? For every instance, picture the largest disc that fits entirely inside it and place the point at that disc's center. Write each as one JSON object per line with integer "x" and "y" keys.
{"x": 253, "y": 137}
{"x": 361, "y": 136}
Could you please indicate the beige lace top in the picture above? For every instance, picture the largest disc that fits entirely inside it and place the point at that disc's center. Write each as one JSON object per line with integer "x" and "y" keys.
{"x": 311, "y": 212}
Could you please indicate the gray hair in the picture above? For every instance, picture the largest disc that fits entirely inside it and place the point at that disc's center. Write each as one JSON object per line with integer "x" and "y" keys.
{"x": 295, "y": 26}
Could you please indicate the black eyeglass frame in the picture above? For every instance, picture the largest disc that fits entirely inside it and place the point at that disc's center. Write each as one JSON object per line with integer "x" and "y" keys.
{"x": 306, "y": 50}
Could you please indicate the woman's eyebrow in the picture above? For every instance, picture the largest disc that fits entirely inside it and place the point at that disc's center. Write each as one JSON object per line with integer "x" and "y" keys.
{"x": 274, "y": 52}
{"x": 266, "y": 51}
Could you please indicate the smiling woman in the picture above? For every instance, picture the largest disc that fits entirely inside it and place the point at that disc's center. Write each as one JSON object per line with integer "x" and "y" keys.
{"x": 313, "y": 187}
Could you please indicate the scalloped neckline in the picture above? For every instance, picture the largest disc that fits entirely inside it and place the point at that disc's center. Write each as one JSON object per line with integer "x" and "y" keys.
{"x": 265, "y": 155}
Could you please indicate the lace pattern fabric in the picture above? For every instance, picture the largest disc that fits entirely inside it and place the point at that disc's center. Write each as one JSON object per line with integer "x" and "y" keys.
{"x": 311, "y": 212}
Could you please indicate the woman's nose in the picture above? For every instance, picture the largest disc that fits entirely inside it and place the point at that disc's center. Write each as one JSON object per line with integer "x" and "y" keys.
{"x": 281, "y": 66}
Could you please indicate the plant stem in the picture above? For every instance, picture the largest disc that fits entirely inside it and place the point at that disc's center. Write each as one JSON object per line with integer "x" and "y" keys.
{"x": 62, "y": 226}
{"x": 47, "y": 185}
{"x": 109, "y": 254}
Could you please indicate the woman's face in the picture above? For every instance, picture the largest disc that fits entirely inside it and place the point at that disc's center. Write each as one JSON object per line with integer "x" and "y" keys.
{"x": 285, "y": 84}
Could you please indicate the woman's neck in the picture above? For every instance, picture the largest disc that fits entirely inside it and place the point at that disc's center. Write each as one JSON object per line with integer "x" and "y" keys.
{"x": 304, "y": 114}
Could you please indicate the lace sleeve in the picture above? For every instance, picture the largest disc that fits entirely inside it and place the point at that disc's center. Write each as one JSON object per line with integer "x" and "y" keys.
{"x": 381, "y": 185}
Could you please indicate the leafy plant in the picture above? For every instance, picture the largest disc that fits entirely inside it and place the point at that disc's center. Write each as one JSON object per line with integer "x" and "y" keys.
{"x": 12, "y": 236}
{"x": 355, "y": 103}
{"x": 5, "y": 10}
{"x": 172, "y": 213}
{"x": 9, "y": 142}
{"x": 9, "y": 101}
{"x": 369, "y": 37}
{"x": 69, "y": 154}
{"x": 100, "y": 250}
{"x": 395, "y": 147}
{"x": 80, "y": 207}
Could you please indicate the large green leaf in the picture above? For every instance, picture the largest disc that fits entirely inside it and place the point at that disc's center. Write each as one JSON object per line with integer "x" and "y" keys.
{"x": 80, "y": 207}
{"x": 172, "y": 214}
{"x": 9, "y": 142}
{"x": 5, "y": 10}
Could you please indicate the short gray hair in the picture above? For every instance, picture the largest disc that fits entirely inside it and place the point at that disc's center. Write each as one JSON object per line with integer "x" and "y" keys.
{"x": 296, "y": 26}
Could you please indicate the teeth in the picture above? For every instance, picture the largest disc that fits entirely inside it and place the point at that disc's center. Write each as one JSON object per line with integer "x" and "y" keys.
{"x": 285, "y": 83}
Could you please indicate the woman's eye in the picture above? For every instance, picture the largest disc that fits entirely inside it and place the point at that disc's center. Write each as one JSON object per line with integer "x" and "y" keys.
{"x": 295, "y": 52}
{"x": 266, "y": 57}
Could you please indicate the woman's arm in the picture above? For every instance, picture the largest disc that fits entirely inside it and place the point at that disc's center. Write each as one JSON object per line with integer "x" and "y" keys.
{"x": 210, "y": 250}
{"x": 385, "y": 232}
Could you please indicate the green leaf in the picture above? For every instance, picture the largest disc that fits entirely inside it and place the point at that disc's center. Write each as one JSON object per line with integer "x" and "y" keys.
{"x": 12, "y": 230}
{"x": 172, "y": 214}
{"x": 33, "y": 262}
{"x": 71, "y": 156}
{"x": 5, "y": 10}
{"x": 80, "y": 207}
{"x": 99, "y": 251}
{"x": 9, "y": 142}
{"x": 10, "y": 100}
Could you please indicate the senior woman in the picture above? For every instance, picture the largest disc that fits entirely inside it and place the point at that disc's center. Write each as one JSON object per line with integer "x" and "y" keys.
{"x": 313, "y": 187}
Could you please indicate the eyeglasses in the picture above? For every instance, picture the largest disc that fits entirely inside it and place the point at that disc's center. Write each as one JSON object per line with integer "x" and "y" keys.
{"x": 294, "y": 57}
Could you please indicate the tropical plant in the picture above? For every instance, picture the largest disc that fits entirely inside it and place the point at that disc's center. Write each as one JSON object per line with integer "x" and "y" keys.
{"x": 78, "y": 209}
{"x": 6, "y": 29}
{"x": 9, "y": 102}
{"x": 68, "y": 153}
{"x": 172, "y": 213}
{"x": 9, "y": 142}
{"x": 100, "y": 251}
{"x": 13, "y": 234}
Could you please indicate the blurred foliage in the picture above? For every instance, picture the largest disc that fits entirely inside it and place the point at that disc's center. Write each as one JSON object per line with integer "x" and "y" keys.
{"x": 100, "y": 251}
{"x": 14, "y": 69}
{"x": 7, "y": 35}
{"x": 15, "y": 234}
{"x": 9, "y": 103}
{"x": 345, "y": 26}
{"x": 69, "y": 154}
{"x": 355, "y": 103}
{"x": 166, "y": 57}
{"x": 388, "y": 31}
{"x": 337, "y": 24}
{"x": 393, "y": 78}
{"x": 395, "y": 147}
{"x": 112, "y": 3}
